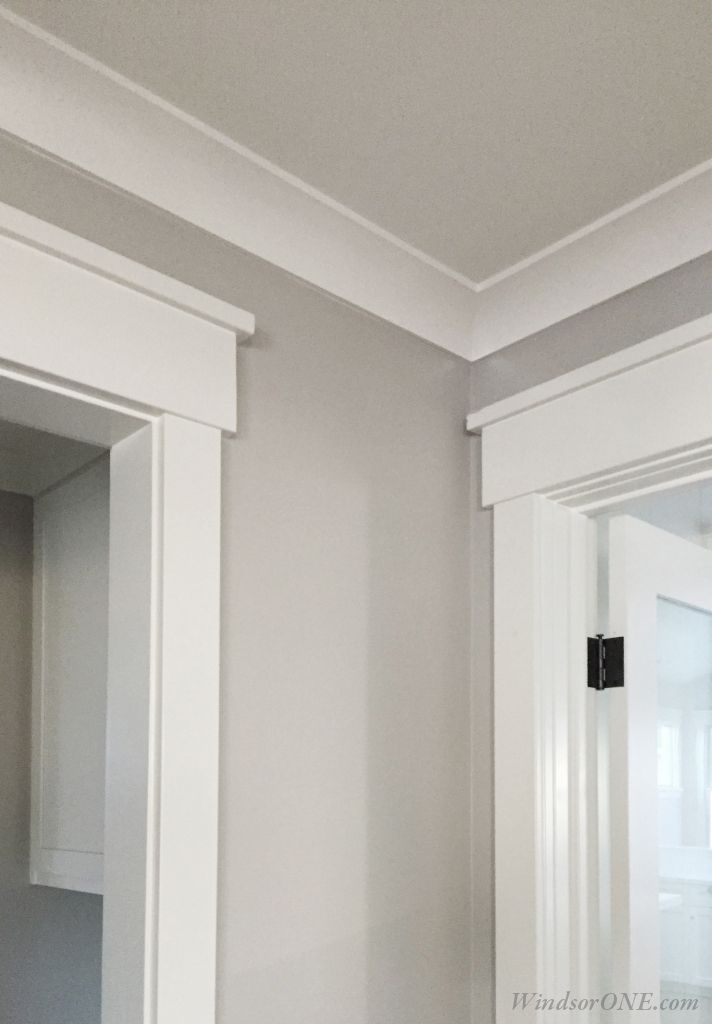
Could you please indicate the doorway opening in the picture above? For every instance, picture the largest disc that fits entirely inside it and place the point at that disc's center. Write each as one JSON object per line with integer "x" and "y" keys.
{"x": 77, "y": 484}
{"x": 54, "y": 564}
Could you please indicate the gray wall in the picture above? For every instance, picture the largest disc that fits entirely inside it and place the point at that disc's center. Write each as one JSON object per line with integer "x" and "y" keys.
{"x": 50, "y": 940}
{"x": 345, "y": 807}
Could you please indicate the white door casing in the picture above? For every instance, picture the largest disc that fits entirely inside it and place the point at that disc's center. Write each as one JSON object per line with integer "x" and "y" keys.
{"x": 543, "y": 818}
{"x": 100, "y": 349}
{"x": 629, "y": 424}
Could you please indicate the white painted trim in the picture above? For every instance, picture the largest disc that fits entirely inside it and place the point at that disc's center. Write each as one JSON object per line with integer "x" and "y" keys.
{"x": 654, "y": 234}
{"x": 61, "y": 101}
{"x": 221, "y": 137}
{"x": 160, "y": 941}
{"x": 189, "y": 721}
{"x": 60, "y": 322}
{"x": 29, "y": 399}
{"x": 545, "y": 904}
{"x": 692, "y": 463}
{"x": 601, "y": 222}
{"x": 131, "y": 868}
{"x": 601, "y": 369}
{"x": 632, "y": 423}
{"x": 63, "y": 869}
{"x": 54, "y": 98}
{"x": 622, "y": 432}
{"x": 49, "y": 238}
{"x": 74, "y": 311}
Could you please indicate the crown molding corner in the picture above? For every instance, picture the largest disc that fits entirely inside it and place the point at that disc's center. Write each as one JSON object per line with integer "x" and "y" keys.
{"x": 648, "y": 237}
{"x": 81, "y": 113}
{"x": 62, "y": 103}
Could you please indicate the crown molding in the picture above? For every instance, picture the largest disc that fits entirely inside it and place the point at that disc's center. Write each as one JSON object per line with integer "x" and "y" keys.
{"x": 654, "y": 234}
{"x": 63, "y": 103}
{"x": 59, "y": 101}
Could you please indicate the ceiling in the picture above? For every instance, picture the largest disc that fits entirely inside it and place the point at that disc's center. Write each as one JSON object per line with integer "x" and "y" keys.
{"x": 478, "y": 132}
{"x": 32, "y": 460}
{"x": 685, "y": 510}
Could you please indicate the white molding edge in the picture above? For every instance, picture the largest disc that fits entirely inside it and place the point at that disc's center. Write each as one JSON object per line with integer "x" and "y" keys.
{"x": 654, "y": 234}
{"x": 630, "y": 424}
{"x": 116, "y": 326}
{"x": 64, "y": 103}
{"x": 160, "y": 860}
{"x": 190, "y": 502}
{"x": 609, "y": 430}
{"x": 58, "y": 100}
{"x": 56, "y": 241}
{"x": 545, "y": 883}
{"x": 601, "y": 369}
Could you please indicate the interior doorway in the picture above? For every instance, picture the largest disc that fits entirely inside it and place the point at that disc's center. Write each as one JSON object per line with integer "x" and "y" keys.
{"x": 102, "y": 350}
{"x": 82, "y": 473}
{"x": 54, "y": 552}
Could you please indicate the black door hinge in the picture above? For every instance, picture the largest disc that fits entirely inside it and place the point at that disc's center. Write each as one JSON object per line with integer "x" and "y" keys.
{"x": 605, "y": 662}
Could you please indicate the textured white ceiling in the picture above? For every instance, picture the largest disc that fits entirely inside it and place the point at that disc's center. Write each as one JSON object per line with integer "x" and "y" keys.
{"x": 479, "y": 132}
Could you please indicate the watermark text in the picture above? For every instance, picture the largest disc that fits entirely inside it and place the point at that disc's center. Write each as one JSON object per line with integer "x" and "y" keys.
{"x": 609, "y": 1002}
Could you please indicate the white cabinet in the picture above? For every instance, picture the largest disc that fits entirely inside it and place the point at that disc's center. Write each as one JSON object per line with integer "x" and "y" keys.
{"x": 701, "y": 945}
{"x": 70, "y": 628}
{"x": 686, "y": 936}
{"x": 674, "y": 927}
